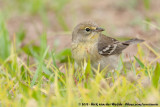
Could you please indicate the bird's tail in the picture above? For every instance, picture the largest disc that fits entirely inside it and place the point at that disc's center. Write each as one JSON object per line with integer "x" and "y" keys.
{"x": 133, "y": 41}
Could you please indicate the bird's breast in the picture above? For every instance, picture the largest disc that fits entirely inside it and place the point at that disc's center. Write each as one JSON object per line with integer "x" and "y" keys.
{"x": 83, "y": 51}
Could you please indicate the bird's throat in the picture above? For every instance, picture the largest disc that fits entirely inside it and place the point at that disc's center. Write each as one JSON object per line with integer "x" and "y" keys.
{"x": 93, "y": 37}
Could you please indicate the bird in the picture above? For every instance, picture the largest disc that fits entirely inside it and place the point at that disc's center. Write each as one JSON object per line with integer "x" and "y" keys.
{"x": 88, "y": 43}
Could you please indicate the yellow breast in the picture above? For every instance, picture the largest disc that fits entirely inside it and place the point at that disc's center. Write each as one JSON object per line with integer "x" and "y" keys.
{"x": 81, "y": 51}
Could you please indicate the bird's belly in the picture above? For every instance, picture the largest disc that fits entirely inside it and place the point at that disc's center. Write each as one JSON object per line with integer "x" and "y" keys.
{"x": 81, "y": 52}
{"x": 109, "y": 62}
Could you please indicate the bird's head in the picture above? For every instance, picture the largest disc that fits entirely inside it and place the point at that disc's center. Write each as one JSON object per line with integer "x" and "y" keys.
{"x": 86, "y": 31}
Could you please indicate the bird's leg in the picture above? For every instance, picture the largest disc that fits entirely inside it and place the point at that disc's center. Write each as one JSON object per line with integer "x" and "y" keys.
{"x": 87, "y": 50}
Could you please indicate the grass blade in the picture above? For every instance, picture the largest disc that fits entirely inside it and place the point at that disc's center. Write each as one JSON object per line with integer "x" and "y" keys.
{"x": 39, "y": 68}
{"x": 156, "y": 76}
{"x": 141, "y": 64}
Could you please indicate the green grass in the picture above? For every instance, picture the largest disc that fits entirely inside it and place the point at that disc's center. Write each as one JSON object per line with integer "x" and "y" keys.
{"x": 39, "y": 81}
{"x": 43, "y": 84}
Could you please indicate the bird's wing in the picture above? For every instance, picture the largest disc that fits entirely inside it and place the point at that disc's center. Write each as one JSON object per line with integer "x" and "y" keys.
{"x": 110, "y": 46}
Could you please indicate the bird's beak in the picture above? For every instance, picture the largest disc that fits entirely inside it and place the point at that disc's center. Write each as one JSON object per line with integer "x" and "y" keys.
{"x": 98, "y": 29}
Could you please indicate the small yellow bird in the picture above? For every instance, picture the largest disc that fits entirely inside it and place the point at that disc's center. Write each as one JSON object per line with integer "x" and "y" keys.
{"x": 89, "y": 42}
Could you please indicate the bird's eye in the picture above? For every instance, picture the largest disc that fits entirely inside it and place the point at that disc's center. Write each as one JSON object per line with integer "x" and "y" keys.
{"x": 88, "y": 29}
